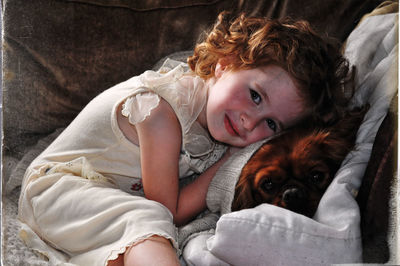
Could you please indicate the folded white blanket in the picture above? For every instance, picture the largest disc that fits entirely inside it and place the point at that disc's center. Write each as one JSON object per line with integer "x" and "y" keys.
{"x": 269, "y": 235}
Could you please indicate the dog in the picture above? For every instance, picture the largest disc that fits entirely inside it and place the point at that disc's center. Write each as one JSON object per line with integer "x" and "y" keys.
{"x": 294, "y": 169}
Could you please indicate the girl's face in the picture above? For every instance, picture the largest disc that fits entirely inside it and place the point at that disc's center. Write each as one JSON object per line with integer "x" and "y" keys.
{"x": 245, "y": 106}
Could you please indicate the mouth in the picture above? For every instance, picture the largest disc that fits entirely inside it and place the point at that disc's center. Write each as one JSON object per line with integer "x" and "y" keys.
{"x": 230, "y": 127}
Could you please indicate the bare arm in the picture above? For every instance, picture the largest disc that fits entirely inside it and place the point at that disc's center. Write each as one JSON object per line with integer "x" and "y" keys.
{"x": 193, "y": 196}
{"x": 160, "y": 139}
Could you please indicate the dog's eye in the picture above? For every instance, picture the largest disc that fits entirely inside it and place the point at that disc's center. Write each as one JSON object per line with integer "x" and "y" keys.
{"x": 267, "y": 185}
{"x": 316, "y": 177}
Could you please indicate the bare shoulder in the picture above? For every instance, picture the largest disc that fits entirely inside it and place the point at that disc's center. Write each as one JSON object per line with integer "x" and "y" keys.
{"x": 162, "y": 125}
{"x": 163, "y": 114}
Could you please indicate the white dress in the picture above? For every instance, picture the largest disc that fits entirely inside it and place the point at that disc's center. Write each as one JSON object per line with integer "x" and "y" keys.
{"x": 82, "y": 201}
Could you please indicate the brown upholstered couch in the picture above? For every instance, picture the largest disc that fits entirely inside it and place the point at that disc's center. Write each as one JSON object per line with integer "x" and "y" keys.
{"x": 59, "y": 54}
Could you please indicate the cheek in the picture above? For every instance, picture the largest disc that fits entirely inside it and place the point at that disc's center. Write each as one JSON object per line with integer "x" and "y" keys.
{"x": 214, "y": 107}
{"x": 261, "y": 132}
{"x": 217, "y": 101}
{"x": 230, "y": 93}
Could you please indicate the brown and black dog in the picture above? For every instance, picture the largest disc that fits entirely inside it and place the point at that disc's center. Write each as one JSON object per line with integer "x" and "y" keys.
{"x": 294, "y": 169}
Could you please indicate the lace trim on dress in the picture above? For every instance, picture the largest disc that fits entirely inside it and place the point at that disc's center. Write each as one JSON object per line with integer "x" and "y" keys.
{"x": 115, "y": 253}
{"x": 199, "y": 164}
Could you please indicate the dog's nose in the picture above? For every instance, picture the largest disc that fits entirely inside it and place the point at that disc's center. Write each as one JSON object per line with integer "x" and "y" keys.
{"x": 294, "y": 197}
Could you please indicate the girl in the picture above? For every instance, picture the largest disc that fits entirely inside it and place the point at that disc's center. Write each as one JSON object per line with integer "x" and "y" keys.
{"x": 106, "y": 191}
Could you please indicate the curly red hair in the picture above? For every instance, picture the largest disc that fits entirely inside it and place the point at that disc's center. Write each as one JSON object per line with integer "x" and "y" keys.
{"x": 314, "y": 62}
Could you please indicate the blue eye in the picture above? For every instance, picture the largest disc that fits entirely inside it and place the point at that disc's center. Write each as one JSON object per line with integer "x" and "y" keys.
{"x": 271, "y": 124}
{"x": 255, "y": 96}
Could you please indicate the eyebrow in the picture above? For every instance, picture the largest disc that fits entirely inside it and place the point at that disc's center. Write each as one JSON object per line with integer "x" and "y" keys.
{"x": 266, "y": 97}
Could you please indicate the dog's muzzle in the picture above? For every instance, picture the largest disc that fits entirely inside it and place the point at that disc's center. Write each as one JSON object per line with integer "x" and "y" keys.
{"x": 294, "y": 198}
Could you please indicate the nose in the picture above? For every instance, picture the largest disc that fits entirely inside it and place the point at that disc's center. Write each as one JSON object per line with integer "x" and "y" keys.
{"x": 294, "y": 196}
{"x": 295, "y": 199}
{"x": 249, "y": 122}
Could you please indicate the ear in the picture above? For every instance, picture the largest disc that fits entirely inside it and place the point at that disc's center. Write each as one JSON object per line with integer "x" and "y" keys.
{"x": 243, "y": 197}
{"x": 219, "y": 70}
{"x": 346, "y": 128}
{"x": 221, "y": 66}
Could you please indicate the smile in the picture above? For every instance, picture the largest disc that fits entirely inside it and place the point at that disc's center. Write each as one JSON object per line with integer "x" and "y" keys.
{"x": 230, "y": 127}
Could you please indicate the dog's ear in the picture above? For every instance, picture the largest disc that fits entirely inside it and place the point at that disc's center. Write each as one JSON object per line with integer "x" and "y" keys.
{"x": 340, "y": 138}
{"x": 243, "y": 193}
{"x": 346, "y": 128}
